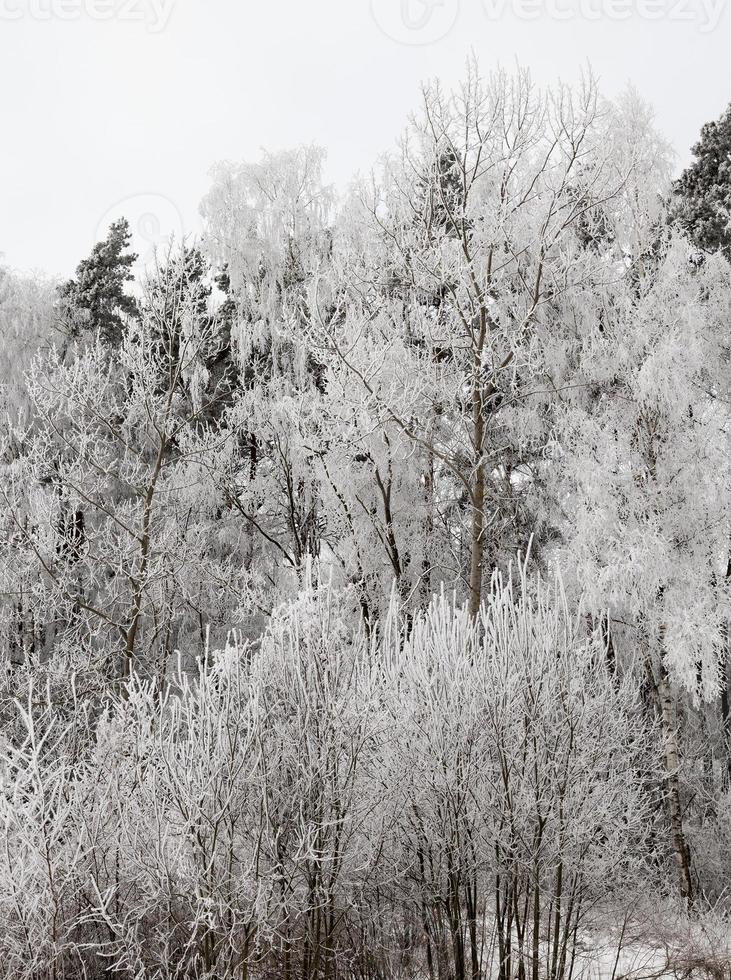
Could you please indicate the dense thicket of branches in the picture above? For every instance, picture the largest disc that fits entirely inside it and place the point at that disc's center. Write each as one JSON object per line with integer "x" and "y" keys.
{"x": 278, "y": 698}
{"x": 324, "y": 805}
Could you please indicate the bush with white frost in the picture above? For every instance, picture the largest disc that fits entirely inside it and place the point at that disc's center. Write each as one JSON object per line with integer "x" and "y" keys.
{"x": 450, "y": 796}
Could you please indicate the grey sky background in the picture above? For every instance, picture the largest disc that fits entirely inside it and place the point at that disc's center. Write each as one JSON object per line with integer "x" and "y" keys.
{"x": 117, "y": 107}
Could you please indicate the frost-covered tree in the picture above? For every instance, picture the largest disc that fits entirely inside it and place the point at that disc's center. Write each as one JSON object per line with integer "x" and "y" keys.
{"x": 267, "y": 232}
{"x": 276, "y": 698}
{"x": 642, "y": 435}
{"x": 703, "y": 210}
{"x": 703, "y": 190}
{"x": 109, "y": 517}
{"x": 27, "y": 327}
{"x": 470, "y": 241}
{"x": 97, "y": 301}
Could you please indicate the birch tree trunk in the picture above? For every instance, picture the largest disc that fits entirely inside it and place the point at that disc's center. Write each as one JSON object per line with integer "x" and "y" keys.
{"x": 671, "y": 760}
{"x": 726, "y": 697}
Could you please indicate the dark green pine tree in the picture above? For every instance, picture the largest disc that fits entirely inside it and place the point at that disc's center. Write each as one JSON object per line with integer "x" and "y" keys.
{"x": 96, "y": 301}
{"x": 703, "y": 191}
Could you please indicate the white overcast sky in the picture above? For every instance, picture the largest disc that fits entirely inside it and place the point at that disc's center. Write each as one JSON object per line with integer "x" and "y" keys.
{"x": 102, "y": 117}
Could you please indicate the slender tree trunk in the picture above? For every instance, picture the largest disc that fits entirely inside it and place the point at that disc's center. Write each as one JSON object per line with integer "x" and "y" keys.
{"x": 726, "y": 696}
{"x": 726, "y": 718}
{"x": 477, "y": 541}
{"x": 471, "y": 907}
{"x": 455, "y": 917}
{"x": 608, "y": 642}
{"x": 425, "y": 589}
{"x": 671, "y": 759}
{"x": 130, "y": 638}
{"x": 706, "y": 749}
{"x": 477, "y": 534}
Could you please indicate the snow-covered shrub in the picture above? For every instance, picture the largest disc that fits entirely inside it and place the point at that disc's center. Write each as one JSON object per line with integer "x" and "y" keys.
{"x": 447, "y": 795}
{"x": 520, "y": 763}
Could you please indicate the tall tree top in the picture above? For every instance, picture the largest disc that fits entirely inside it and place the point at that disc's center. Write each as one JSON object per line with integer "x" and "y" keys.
{"x": 96, "y": 300}
{"x": 705, "y": 189}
